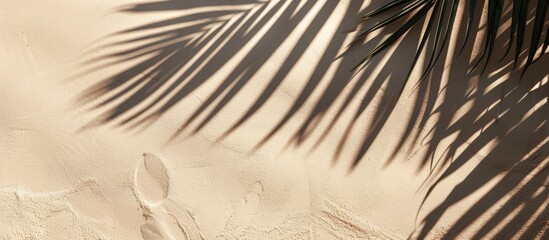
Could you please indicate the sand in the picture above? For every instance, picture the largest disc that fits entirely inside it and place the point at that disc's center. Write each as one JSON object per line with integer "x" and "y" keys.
{"x": 209, "y": 119}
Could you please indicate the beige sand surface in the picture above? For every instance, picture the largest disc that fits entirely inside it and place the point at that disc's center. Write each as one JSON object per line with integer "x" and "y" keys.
{"x": 148, "y": 120}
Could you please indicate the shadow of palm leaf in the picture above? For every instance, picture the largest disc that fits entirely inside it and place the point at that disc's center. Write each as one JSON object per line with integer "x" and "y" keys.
{"x": 507, "y": 140}
{"x": 496, "y": 121}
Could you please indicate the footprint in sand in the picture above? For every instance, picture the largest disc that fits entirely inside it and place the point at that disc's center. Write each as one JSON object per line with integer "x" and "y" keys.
{"x": 246, "y": 210}
{"x": 252, "y": 200}
{"x": 151, "y": 180}
{"x": 166, "y": 219}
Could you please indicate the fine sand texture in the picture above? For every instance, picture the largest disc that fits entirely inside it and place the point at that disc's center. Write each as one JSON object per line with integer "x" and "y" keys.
{"x": 241, "y": 119}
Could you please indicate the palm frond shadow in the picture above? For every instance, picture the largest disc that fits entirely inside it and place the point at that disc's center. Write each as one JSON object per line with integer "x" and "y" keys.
{"x": 507, "y": 138}
{"x": 496, "y": 119}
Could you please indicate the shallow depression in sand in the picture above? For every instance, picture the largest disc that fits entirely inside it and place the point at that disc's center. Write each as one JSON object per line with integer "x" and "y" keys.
{"x": 165, "y": 218}
{"x": 151, "y": 179}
